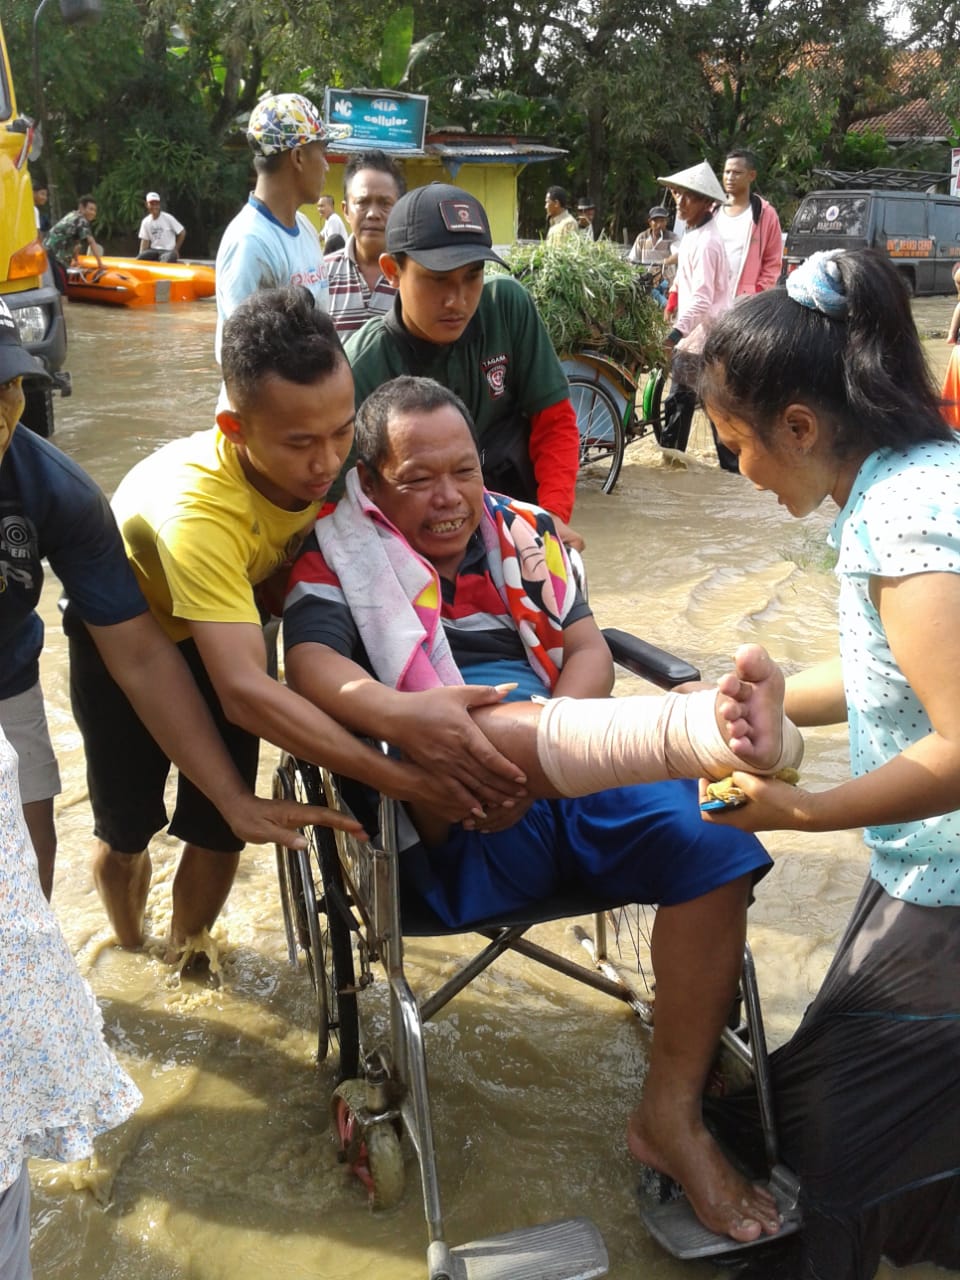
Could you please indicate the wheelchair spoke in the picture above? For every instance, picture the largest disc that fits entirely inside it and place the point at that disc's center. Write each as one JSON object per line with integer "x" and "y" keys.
{"x": 317, "y": 923}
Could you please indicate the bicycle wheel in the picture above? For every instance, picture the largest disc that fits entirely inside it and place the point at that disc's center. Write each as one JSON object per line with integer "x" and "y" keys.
{"x": 320, "y": 924}
{"x": 654, "y": 391}
{"x": 601, "y": 431}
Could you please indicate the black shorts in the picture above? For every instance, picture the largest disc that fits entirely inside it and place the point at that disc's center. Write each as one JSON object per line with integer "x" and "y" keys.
{"x": 59, "y": 273}
{"x": 127, "y": 770}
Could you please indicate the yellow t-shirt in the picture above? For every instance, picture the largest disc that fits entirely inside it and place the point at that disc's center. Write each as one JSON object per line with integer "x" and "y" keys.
{"x": 199, "y": 536}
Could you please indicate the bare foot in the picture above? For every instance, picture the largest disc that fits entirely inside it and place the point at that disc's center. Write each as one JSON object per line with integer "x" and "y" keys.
{"x": 750, "y": 712}
{"x": 723, "y": 1200}
{"x": 198, "y": 956}
{"x": 123, "y": 881}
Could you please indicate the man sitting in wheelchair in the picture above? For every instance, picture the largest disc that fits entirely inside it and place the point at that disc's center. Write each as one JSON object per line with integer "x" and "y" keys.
{"x": 425, "y": 579}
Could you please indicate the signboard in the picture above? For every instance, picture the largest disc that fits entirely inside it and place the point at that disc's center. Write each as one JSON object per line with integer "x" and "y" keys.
{"x": 955, "y": 171}
{"x": 901, "y": 247}
{"x": 364, "y": 118}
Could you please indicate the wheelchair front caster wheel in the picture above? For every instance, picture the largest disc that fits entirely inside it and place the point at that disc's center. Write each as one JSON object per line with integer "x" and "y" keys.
{"x": 369, "y": 1148}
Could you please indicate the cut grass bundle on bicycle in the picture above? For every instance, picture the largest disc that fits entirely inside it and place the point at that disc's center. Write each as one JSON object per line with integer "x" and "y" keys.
{"x": 608, "y": 330}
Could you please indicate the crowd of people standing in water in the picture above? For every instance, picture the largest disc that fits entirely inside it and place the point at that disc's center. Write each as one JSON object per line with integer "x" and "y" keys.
{"x": 460, "y": 480}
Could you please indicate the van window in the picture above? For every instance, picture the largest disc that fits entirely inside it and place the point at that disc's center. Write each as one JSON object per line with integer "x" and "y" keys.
{"x": 835, "y": 215}
{"x": 945, "y": 227}
{"x": 905, "y": 218}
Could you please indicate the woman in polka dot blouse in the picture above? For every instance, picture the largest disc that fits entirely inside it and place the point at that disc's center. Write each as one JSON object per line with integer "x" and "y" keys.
{"x": 822, "y": 390}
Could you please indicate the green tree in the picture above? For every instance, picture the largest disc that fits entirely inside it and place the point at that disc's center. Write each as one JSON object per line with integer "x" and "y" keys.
{"x": 159, "y": 94}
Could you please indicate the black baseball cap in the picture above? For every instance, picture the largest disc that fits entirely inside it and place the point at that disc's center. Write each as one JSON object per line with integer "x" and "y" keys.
{"x": 15, "y": 360}
{"x": 441, "y": 227}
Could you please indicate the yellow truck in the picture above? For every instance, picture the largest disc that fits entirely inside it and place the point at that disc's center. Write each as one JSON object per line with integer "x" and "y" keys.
{"x": 26, "y": 284}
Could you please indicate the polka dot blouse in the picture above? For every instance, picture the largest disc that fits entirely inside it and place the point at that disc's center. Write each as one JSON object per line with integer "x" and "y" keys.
{"x": 902, "y": 517}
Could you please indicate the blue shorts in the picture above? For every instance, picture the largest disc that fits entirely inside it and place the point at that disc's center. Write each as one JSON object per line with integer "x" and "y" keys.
{"x": 644, "y": 843}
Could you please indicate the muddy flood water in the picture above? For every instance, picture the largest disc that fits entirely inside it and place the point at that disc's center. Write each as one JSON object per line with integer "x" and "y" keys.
{"x": 228, "y": 1170}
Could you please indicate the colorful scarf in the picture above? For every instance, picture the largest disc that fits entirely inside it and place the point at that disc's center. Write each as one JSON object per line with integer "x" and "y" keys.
{"x": 394, "y": 593}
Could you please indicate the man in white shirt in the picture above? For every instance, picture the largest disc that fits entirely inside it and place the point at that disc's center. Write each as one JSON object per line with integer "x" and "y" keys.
{"x": 333, "y": 224}
{"x": 271, "y": 244}
{"x": 161, "y": 235}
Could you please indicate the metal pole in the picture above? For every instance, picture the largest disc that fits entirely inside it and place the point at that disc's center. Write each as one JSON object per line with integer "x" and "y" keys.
{"x": 42, "y": 113}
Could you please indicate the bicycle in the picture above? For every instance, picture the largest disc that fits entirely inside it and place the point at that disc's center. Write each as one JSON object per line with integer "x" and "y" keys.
{"x": 612, "y": 411}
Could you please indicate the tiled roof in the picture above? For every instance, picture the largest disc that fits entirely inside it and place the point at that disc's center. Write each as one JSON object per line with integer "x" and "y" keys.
{"x": 915, "y": 121}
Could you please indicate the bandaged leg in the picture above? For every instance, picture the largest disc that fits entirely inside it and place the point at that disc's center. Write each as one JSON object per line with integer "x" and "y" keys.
{"x": 588, "y": 745}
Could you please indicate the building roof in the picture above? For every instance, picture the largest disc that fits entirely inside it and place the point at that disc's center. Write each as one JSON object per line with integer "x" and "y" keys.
{"x": 456, "y": 147}
{"x": 533, "y": 150}
{"x": 916, "y": 121}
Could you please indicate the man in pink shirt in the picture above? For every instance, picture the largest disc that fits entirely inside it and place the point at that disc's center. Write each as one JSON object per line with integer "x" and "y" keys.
{"x": 703, "y": 292}
{"x": 749, "y": 227}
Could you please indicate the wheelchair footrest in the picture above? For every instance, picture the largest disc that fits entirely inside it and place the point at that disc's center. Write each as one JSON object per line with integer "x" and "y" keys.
{"x": 675, "y": 1226}
{"x": 570, "y": 1250}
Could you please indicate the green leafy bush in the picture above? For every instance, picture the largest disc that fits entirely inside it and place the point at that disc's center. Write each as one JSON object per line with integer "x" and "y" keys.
{"x": 589, "y": 296}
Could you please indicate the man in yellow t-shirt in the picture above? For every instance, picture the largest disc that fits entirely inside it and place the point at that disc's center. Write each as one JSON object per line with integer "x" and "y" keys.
{"x": 210, "y": 522}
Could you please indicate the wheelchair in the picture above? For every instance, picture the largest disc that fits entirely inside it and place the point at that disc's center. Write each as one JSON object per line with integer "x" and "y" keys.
{"x": 345, "y": 910}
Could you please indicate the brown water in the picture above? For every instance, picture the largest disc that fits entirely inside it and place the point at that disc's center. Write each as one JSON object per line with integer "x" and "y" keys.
{"x": 228, "y": 1170}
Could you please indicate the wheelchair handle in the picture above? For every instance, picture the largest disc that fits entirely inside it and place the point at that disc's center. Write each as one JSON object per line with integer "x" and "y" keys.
{"x": 647, "y": 661}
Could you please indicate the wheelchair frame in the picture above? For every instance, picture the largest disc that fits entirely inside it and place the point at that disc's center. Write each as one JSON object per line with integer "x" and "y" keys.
{"x": 354, "y": 921}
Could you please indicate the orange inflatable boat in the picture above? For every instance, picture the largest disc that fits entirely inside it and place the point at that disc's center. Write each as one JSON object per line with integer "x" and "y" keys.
{"x": 128, "y": 282}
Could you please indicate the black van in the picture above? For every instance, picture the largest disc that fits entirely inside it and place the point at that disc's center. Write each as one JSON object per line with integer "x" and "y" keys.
{"x": 920, "y": 232}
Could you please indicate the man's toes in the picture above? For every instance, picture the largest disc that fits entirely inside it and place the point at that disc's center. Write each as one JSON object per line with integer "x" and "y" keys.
{"x": 753, "y": 663}
{"x": 744, "y": 1230}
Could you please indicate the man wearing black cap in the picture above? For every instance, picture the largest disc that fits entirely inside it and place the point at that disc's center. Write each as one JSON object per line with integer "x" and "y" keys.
{"x": 586, "y": 212}
{"x": 658, "y": 244}
{"x": 51, "y": 509}
{"x": 483, "y": 340}
{"x": 656, "y": 248}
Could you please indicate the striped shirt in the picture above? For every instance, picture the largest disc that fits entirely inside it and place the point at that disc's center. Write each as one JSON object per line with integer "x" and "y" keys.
{"x": 352, "y": 301}
{"x": 475, "y": 617}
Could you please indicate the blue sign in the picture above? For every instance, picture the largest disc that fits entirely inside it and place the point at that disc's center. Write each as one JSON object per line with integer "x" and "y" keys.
{"x": 363, "y": 118}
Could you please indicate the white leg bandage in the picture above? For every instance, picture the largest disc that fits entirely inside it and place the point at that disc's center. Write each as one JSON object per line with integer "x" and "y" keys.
{"x": 590, "y": 744}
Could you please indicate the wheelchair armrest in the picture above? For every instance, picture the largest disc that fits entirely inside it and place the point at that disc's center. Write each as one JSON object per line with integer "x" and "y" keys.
{"x": 647, "y": 661}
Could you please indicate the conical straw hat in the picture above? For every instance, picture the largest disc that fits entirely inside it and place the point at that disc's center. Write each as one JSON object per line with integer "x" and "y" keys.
{"x": 700, "y": 179}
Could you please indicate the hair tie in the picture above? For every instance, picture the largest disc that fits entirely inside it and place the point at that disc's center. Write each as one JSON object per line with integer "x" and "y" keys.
{"x": 818, "y": 284}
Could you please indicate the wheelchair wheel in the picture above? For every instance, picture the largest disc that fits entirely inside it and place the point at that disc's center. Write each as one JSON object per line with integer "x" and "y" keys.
{"x": 601, "y": 431}
{"x": 319, "y": 925}
{"x": 632, "y": 939}
{"x": 370, "y": 1150}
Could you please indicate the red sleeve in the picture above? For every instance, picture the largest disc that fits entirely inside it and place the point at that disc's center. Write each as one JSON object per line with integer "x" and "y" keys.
{"x": 771, "y": 249}
{"x": 555, "y": 453}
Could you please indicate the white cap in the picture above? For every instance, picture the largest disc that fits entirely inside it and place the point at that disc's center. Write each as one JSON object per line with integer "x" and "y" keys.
{"x": 152, "y": 195}
{"x": 700, "y": 179}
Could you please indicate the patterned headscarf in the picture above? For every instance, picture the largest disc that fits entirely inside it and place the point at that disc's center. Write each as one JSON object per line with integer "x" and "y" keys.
{"x": 818, "y": 284}
{"x": 282, "y": 122}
